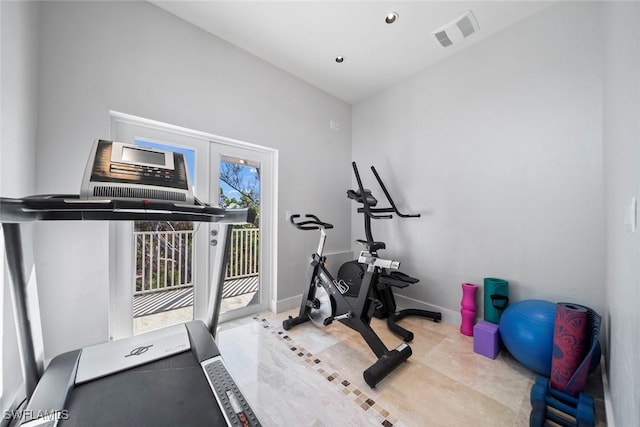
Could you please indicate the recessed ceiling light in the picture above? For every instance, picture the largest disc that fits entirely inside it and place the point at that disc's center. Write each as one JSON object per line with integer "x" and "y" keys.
{"x": 339, "y": 59}
{"x": 391, "y": 17}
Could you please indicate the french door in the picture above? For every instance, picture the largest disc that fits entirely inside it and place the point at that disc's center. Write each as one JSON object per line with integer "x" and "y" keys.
{"x": 164, "y": 273}
{"x": 245, "y": 181}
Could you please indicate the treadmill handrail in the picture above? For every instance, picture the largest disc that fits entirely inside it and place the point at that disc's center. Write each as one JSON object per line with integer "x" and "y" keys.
{"x": 72, "y": 207}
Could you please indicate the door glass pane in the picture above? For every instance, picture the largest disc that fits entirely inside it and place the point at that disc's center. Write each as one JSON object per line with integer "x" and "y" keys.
{"x": 164, "y": 264}
{"x": 240, "y": 188}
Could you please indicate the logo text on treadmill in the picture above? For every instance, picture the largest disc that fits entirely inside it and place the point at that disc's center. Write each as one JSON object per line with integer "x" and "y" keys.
{"x": 139, "y": 350}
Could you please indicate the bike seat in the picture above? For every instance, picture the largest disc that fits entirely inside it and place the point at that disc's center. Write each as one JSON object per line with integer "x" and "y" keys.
{"x": 371, "y": 246}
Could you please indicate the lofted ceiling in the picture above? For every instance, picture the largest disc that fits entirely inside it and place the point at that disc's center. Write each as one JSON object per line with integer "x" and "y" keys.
{"x": 305, "y": 37}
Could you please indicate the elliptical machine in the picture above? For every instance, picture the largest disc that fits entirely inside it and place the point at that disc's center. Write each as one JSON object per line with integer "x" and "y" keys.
{"x": 327, "y": 299}
{"x": 353, "y": 271}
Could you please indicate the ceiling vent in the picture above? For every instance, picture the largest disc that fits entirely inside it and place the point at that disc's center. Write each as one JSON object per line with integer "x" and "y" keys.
{"x": 456, "y": 30}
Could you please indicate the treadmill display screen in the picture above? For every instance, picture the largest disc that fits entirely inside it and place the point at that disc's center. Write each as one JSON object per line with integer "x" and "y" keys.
{"x": 137, "y": 155}
{"x": 126, "y": 165}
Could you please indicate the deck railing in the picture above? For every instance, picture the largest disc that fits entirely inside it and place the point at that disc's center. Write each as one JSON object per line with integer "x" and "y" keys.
{"x": 164, "y": 259}
{"x": 243, "y": 258}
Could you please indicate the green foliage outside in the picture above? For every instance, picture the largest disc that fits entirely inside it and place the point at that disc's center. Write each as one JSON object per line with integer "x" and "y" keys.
{"x": 246, "y": 185}
{"x": 248, "y": 188}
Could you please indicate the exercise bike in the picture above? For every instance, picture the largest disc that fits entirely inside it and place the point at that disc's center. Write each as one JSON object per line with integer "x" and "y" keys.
{"x": 353, "y": 271}
{"x": 327, "y": 300}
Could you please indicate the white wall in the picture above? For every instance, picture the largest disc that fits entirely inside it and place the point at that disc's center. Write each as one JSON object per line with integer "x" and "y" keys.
{"x": 500, "y": 149}
{"x": 622, "y": 182}
{"x": 19, "y": 98}
{"x": 17, "y": 150}
{"x": 135, "y": 58}
{"x": 521, "y": 163}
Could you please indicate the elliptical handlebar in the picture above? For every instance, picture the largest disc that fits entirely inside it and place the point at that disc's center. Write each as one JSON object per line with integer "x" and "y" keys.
{"x": 388, "y": 196}
{"x": 373, "y": 212}
{"x": 368, "y": 209}
{"x": 314, "y": 223}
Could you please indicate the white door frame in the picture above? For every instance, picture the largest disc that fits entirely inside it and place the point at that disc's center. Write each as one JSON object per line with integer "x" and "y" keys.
{"x": 121, "y": 249}
{"x": 266, "y": 218}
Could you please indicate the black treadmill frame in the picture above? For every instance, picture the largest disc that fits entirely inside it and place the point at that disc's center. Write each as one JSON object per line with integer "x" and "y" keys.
{"x": 17, "y": 213}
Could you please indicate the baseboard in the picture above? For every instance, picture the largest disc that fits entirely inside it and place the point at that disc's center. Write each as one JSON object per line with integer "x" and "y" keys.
{"x": 285, "y": 304}
{"x": 608, "y": 405}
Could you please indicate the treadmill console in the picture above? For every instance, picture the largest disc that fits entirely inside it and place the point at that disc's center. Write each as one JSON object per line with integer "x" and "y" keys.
{"x": 118, "y": 170}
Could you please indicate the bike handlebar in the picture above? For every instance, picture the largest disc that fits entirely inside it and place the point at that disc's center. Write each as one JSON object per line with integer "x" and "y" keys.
{"x": 314, "y": 223}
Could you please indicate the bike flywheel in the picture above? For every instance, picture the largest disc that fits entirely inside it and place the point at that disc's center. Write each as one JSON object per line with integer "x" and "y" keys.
{"x": 321, "y": 308}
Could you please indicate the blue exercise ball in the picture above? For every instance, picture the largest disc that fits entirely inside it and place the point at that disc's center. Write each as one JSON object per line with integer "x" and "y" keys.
{"x": 526, "y": 329}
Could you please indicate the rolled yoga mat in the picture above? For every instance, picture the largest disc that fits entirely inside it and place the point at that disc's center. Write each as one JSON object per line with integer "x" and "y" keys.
{"x": 569, "y": 343}
{"x": 496, "y": 298}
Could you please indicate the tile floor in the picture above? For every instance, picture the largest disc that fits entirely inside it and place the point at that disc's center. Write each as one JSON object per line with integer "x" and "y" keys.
{"x": 313, "y": 377}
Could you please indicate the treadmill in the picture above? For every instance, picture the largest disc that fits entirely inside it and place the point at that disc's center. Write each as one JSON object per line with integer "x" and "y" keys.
{"x": 173, "y": 376}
